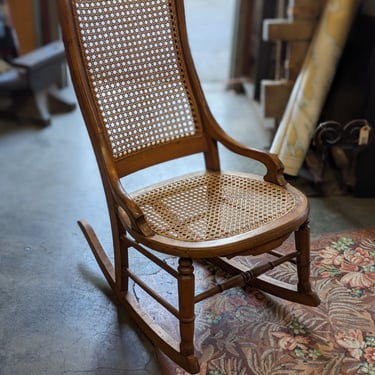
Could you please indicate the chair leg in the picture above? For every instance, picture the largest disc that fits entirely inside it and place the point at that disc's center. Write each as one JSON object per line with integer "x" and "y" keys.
{"x": 182, "y": 353}
{"x": 302, "y": 241}
{"x": 121, "y": 255}
{"x": 300, "y": 293}
{"x": 186, "y": 305}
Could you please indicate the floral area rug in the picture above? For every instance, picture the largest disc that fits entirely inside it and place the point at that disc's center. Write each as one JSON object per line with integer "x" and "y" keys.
{"x": 246, "y": 332}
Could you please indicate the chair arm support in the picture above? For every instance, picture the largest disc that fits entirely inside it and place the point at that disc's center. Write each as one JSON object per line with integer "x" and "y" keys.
{"x": 134, "y": 214}
{"x": 273, "y": 164}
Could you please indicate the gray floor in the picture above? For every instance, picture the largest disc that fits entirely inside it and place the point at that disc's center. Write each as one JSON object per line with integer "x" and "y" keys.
{"x": 57, "y": 313}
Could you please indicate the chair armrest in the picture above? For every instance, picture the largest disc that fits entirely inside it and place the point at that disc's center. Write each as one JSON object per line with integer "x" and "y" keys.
{"x": 273, "y": 164}
{"x": 134, "y": 215}
{"x": 128, "y": 209}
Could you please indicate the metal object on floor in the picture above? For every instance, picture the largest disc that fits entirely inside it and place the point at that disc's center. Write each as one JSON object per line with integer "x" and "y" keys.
{"x": 338, "y": 146}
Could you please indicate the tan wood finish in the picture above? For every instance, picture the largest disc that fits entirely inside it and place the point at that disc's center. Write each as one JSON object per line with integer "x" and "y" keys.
{"x": 271, "y": 89}
{"x": 280, "y": 29}
{"x": 21, "y": 12}
{"x": 142, "y": 104}
{"x": 295, "y": 32}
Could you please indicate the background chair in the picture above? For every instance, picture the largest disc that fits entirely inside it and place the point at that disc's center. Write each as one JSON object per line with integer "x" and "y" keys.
{"x": 29, "y": 82}
{"x": 143, "y": 105}
{"x": 29, "y": 86}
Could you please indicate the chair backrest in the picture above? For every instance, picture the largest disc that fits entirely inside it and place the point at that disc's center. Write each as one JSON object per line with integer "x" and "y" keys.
{"x": 135, "y": 80}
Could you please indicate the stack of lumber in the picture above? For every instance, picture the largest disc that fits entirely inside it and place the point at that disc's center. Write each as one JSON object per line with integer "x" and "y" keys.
{"x": 295, "y": 33}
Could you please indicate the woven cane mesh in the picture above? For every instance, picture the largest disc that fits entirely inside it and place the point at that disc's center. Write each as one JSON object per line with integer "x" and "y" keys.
{"x": 213, "y": 206}
{"x": 133, "y": 57}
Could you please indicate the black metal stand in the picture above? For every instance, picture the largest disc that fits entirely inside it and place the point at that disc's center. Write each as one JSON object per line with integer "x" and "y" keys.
{"x": 337, "y": 147}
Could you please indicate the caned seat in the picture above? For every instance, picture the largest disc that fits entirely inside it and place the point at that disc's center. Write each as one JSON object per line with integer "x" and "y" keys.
{"x": 143, "y": 106}
{"x": 213, "y": 206}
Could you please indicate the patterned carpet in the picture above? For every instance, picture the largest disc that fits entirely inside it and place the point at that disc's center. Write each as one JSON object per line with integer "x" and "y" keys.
{"x": 246, "y": 333}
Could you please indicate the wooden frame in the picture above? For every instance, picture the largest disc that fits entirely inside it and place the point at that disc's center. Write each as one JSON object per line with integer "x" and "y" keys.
{"x": 150, "y": 218}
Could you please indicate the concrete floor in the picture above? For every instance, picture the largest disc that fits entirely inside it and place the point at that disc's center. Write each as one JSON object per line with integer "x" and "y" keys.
{"x": 57, "y": 313}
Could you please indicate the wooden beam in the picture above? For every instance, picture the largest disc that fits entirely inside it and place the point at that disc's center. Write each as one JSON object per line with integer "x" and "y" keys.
{"x": 304, "y": 9}
{"x": 296, "y": 52}
{"x": 241, "y": 44}
{"x": 22, "y": 14}
{"x": 286, "y": 30}
{"x": 274, "y": 97}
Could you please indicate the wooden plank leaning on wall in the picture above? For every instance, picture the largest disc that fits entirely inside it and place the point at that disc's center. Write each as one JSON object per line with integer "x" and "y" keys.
{"x": 296, "y": 32}
{"x": 21, "y": 13}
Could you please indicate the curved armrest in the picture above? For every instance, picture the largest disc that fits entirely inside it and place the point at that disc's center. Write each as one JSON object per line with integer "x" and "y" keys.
{"x": 273, "y": 164}
{"x": 133, "y": 212}
{"x": 134, "y": 215}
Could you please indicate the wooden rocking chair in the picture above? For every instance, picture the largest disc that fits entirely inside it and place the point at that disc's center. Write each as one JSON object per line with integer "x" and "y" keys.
{"x": 143, "y": 105}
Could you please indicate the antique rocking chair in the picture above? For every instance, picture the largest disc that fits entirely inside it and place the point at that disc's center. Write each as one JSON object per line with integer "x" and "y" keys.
{"x": 143, "y": 105}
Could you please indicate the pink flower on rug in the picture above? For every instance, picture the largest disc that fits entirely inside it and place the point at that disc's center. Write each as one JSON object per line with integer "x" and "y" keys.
{"x": 352, "y": 264}
{"x": 359, "y": 257}
{"x": 348, "y": 267}
{"x": 180, "y": 371}
{"x": 359, "y": 280}
{"x": 291, "y": 342}
{"x": 255, "y": 297}
{"x": 325, "y": 274}
{"x": 202, "y": 371}
{"x": 230, "y": 303}
{"x": 370, "y": 354}
{"x": 331, "y": 257}
{"x": 352, "y": 341}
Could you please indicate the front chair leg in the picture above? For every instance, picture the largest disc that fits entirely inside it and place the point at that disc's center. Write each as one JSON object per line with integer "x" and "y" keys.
{"x": 186, "y": 292}
{"x": 302, "y": 241}
{"x": 121, "y": 250}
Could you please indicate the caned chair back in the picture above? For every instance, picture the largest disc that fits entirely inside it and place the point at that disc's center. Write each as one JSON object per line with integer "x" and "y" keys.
{"x": 141, "y": 79}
